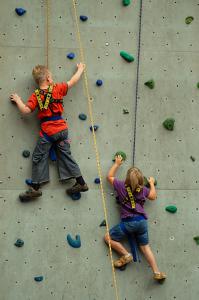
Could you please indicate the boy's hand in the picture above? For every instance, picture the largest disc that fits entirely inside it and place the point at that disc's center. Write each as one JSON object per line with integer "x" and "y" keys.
{"x": 81, "y": 67}
{"x": 151, "y": 180}
{"x": 118, "y": 160}
{"x": 15, "y": 98}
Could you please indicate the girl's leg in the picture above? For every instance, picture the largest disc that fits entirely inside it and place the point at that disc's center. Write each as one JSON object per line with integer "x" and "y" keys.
{"x": 117, "y": 246}
{"x": 150, "y": 258}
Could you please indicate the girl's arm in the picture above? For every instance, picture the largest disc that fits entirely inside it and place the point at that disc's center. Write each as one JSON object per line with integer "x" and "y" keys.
{"x": 152, "y": 194}
{"x": 114, "y": 168}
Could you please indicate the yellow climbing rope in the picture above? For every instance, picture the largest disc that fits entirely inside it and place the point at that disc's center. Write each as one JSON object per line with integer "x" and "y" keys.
{"x": 89, "y": 98}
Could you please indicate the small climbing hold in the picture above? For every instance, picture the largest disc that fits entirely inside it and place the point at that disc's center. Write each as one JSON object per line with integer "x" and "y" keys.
{"x": 19, "y": 243}
{"x": 123, "y": 155}
{"x": 125, "y": 111}
{"x": 198, "y": 85}
{"x": 146, "y": 182}
{"x": 74, "y": 243}
{"x": 95, "y": 127}
{"x": 20, "y": 11}
{"x": 71, "y": 55}
{"x": 76, "y": 196}
{"x": 169, "y": 124}
{"x": 28, "y": 181}
{"x": 128, "y": 57}
{"x": 150, "y": 83}
{"x": 192, "y": 158}
{"x": 189, "y": 19}
{"x": 99, "y": 82}
{"x": 126, "y": 2}
{"x": 82, "y": 117}
{"x": 26, "y": 153}
{"x": 97, "y": 180}
{"x": 196, "y": 239}
{"x": 83, "y": 18}
{"x": 38, "y": 278}
{"x": 171, "y": 208}
{"x": 103, "y": 223}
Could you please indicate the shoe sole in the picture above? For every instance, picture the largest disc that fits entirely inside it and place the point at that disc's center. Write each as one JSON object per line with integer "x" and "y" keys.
{"x": 27, "y": 199}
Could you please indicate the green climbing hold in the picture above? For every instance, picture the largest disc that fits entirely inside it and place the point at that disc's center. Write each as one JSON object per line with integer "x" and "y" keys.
{"x": 126, "y": 2}
{"x": 198, "y": 85}
{"x": 169, "y": 123}
{"x": 150, "y": 83}
{"x": 125, "y": 111}
{"x": 171, "y": 208}
{"x": 196, "y": 239}
{"x": 103, "y": 223}
{"x": 189, "y": 19}
{"x": 146, "y": 182}
{"x": 192, "y": 158}
{"x": 123, "y": 155}
{"x": 128, "y": 57}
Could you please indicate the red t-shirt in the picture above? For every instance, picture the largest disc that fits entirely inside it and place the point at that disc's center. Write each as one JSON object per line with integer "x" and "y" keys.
{"x": 50, "y": 127}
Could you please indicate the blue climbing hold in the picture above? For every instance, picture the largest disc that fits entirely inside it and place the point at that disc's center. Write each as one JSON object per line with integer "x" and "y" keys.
{"x": 82, "y": 117}
{"x": 20, "y": 11}
{"x": 83, "y": 18}
{"x": 38, "y": 278}
{"x": 95, "y": 127}
{"x": 28, "y": 181}
{"x": 99, "y": 82}
{"x": 19, "y": 243}
{"x": 74, "y": 243}
{"x": 71, "y": 55}
{"x": 76, "y": 196}
{"x": 52, "y": 154}
{"x": 97, "y": 180}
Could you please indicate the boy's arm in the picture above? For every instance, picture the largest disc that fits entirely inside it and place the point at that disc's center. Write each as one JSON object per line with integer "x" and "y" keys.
{"x": 114, "y": 168}
{"x": 21, "y": 106}
{"x": 152, "y": 193}
{"x": 76, "y": 77}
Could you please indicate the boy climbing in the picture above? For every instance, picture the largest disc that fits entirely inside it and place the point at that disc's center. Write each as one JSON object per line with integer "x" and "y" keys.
{"x": 54, "y": 131}
{"x": 131, "y": 197}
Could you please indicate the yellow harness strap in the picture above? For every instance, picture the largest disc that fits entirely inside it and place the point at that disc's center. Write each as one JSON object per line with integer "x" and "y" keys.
{"x": 48, "y": 97}
{"x": 130, "y": 196}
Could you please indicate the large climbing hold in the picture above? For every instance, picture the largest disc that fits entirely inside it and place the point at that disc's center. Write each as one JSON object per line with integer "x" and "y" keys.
{"x": 82, "y": 117}
{"x": 71, "y": 55}
{"x": 38, "y": 278}
{"x": 126, "y": 2}
{"x": 196, "y": 239}
{"x": 19, "y": 243}
{"x": 128, "y": 57}
{"x": 169, "y": 124}
{"x": 189, "y": 19}
{"x": 150, "y": 83}
{"x": 75, "y": 243}
{"x": 123, "y": 155}
{"x": 171, "y": 208}
{"x": 20, "y": 11}
{"x": 83, "y": 18}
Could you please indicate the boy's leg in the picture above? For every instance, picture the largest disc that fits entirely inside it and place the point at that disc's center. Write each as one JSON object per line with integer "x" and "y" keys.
{"x": 40, "y": 170}
{"x": 67, "y": 166}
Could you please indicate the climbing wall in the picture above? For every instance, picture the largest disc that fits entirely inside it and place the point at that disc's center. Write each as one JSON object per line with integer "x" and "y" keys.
{"x": 167, "y": 50}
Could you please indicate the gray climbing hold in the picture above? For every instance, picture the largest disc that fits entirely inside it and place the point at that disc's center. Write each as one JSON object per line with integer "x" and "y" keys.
{"x": 192, "y": 158}
{"x": 26, "y": 153}
{"x": 125, "y": 111}
{"x": 20, "y": 11}
{"x": 75, "y": 243}
{"x": 19, "y": 243}
{"x": 38, "y": 278}
{"x": 198, "y": 85}
{"x": 103, "y": 223}
{"x": 82, "y": 117}
{"x": 28, "y": 181}
{"x": 83, "y": 18}
{"x": 169, "y": 124}
{"x": 99, "y": 82}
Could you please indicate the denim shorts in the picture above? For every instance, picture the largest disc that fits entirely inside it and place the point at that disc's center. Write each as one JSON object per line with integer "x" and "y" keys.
{"x": 137, "y": 228}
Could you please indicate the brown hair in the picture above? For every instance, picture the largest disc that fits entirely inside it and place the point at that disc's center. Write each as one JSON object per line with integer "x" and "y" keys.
{"x": 134, "y": 179}
{"x": 39, "y": 73}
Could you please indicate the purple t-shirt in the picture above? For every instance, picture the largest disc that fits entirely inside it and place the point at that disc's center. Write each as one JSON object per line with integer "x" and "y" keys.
{"x": 126, "y": 209}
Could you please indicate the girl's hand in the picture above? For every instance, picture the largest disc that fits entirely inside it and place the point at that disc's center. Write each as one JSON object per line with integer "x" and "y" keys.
{"x": 151, "y": 180}
{"x": 14, "y": 98}
{"x": 118, "y": 160}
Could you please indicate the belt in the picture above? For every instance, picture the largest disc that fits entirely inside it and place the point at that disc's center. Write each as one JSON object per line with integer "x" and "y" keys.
{"x": 52, "y": 118}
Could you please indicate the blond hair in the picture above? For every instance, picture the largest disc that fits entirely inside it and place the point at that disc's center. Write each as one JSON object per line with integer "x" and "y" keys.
{"x": 134, "y": 179}
{"x": 40, "y": 73}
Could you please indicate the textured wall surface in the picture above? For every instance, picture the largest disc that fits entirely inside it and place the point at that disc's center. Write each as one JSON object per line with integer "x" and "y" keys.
{"x": 169, "y": 55}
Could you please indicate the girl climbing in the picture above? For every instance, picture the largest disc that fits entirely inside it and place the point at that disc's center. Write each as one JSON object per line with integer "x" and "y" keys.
{"x": 131, "y": 197}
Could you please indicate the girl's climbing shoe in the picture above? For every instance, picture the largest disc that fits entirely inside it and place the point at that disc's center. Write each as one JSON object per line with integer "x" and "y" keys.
{"x": 123, "y": 260}
{"x": 77, "y": 188}
{"x": 159, "y": 276}
{"x": 29, "y": 195}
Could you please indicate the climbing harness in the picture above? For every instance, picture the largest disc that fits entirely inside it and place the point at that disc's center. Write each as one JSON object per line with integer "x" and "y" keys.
{"x": 48, "y": 99}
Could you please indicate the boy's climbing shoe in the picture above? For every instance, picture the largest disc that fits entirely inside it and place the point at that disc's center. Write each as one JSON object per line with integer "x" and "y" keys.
{"x": 123, "y": 260}
{"x": 159, "y": 276}
{"x": 77, "y": 188}
{"x": 29, "y": 195}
